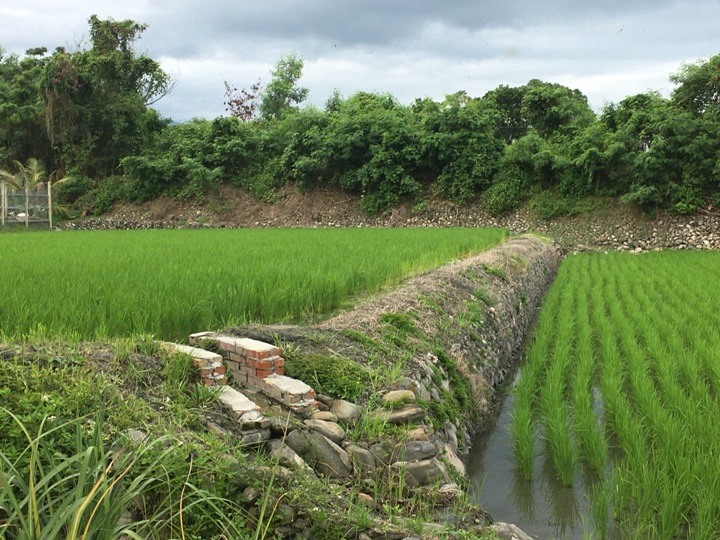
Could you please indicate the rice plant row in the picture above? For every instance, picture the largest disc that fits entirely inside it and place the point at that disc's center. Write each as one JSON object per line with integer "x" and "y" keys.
{"x": 643, "y": 332}
{"x": 172, "y": 282}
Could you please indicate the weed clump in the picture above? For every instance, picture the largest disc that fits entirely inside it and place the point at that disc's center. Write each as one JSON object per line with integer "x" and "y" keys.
{"x": 333, "y": 375}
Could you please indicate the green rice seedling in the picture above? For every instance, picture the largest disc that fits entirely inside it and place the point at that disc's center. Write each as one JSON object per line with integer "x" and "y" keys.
{"x": 523, "y": 434}
{"x": 645, "y": 331}
{"x": 169, "y": 283}
{"x": 601, "y": 507}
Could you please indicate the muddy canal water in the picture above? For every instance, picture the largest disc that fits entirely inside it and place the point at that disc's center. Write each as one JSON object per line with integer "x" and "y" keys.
{"x": 543, "y": 508}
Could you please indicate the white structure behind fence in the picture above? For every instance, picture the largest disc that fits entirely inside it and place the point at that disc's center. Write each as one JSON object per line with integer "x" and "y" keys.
{"x": 13, "y": 206}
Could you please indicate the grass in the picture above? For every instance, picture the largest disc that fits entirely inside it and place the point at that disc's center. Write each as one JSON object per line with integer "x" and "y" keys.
{"x": 99, "y": 284}
{"x": 643, "y": 332}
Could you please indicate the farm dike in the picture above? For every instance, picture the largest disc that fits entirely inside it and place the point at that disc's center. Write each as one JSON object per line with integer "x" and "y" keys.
{"x": 434, "y": 352}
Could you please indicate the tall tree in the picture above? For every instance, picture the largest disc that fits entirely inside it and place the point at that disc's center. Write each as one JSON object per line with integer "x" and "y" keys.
{"x": 282, "y": 93}
{"x": 22, "y": 126}
{"x": 96, "y": 100}
{"x": 698, "y": 87}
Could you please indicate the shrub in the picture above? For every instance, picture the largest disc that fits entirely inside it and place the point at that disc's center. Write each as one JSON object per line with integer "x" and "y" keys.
{"x": 507, "y": 193}
{"x": 332, "y": 375}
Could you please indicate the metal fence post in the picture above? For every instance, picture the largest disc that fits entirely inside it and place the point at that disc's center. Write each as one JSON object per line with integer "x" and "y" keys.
{"x": 49, "y": 201}
{"x": 3, "y": 202}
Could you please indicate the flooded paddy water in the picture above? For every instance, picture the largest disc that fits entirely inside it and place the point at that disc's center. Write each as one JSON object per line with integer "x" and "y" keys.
{"x": 543, "y": 508}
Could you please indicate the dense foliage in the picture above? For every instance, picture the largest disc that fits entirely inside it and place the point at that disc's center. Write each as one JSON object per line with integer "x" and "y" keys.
{"x": 86, "y": 113}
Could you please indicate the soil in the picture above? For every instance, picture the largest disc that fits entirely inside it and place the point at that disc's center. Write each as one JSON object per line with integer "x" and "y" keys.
{"x": 607, "y": 224}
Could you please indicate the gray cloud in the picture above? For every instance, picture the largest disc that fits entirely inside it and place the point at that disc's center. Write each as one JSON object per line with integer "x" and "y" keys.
{"x": 607, "y": 49}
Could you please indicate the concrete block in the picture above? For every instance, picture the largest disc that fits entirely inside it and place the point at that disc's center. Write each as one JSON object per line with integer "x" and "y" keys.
{"x": 199, "y": 336}
{"x": 289, "y": 385}
{"x": 252, "y": 348}
{"x": 237, "y": 402}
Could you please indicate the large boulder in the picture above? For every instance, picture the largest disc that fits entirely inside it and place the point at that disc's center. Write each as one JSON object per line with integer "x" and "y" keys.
{"x": 330, "y": 429}
{"x": 320, "y": 453}
{"x": 422, "y": 473}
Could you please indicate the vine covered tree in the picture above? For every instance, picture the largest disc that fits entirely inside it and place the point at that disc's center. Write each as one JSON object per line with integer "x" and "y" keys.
{"x": 96, "y": 100}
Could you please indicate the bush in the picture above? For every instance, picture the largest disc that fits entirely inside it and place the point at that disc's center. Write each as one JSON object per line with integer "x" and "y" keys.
{"x": 335, "y": 376}
{"x": 109, "y": 192}
{"x": 643, "y": 196}
{"x": 507, "y": 193}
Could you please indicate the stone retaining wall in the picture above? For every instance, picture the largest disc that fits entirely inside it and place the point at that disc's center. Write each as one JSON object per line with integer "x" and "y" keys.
{"x": 466, "y": 325}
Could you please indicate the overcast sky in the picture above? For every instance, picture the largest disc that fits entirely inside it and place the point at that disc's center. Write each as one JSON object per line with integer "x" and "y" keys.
{"x": 608, "y": 49}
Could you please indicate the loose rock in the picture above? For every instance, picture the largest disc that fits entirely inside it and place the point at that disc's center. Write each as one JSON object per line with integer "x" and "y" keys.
{"x": 346, "y": 412}
{"x": 330, "y": 429}
{"x": 398, "y": 396}
{"x": 320, "y": 453}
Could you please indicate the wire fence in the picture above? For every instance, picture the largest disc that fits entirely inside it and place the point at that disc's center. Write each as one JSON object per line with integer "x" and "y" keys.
{"x": 14, "y": 208}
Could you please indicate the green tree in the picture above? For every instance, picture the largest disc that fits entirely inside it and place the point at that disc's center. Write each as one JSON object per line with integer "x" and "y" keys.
{"x": 22, "y": 125}
{"x": 698, "y": 87}
{"x": 459, "y": 144}
{"x": 96, "y": 100}
{"x": 554, "y": 110}
{"x": 282, "y": 93}
{"x": 373, "y": 148}
{"x": 507, "y": 101}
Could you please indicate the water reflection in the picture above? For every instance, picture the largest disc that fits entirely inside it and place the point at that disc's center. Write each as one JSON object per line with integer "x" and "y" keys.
{"x": 523, "y": 496}
{"x": 543, "y": 508}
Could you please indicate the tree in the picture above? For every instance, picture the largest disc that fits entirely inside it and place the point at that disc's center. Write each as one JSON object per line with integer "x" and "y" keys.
{"x": 242, "y": 104}
{"x": 22, "y": 124}
{"x": 698, "y": 86}
{"x": 508, "y": 102}
{"x": 459, "y": 144}
{"x": 282, "y": 93}
{"x": 96, "y": 100}
{"x": 555, "y": 110}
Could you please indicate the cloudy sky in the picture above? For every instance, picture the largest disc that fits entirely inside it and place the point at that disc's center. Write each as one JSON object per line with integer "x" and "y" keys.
{"x": 608, "y": 49}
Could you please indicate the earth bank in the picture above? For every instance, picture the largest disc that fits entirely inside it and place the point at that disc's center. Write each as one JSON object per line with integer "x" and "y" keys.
{"x": 442, "y": 343}
{"x": 602, "y": 223}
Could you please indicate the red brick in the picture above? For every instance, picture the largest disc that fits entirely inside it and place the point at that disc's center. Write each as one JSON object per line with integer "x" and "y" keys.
{"x": 256, "y": 355}
{"x": 255, "y": 381}
{"x": 279, "y": 371}
{"x": 238, "y": 377}
{"x": 236, "y": 357}
{"x": 220, "y": 370}
{"x": 232, "y": 364}
{"x": 219, "y": 380}
{"x": 262, "y": 373}
{"x": 260, "y": 364}
{"x": 279, "y": 362}
{"x": 227, "y": 346}
{"x": 258, "y": 350}
{"x": 200, "y": 363}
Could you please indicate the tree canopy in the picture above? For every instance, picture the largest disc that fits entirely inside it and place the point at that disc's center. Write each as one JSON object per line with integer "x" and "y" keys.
{"x": 88, "y": 112}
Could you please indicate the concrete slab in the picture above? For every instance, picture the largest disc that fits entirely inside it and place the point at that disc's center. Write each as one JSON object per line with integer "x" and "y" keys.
{"x": 200, "y": 354}
{"x": 288, "y": 385}
{"x": 236, "y": 401}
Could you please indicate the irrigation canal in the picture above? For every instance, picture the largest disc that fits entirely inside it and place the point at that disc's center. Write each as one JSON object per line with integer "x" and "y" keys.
{"x": 543, "y": 508}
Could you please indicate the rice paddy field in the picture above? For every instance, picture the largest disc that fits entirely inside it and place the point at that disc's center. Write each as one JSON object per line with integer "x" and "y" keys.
{"x": 168, "y": 283}
{"x": 621, "y": 389}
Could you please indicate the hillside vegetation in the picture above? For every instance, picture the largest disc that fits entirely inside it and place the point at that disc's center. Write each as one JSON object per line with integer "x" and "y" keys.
{"x": 87, "y": 113}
